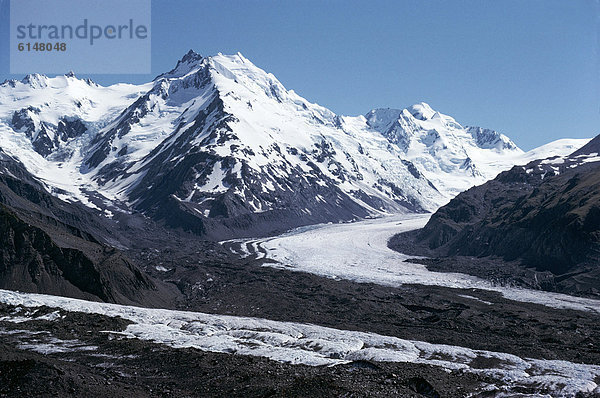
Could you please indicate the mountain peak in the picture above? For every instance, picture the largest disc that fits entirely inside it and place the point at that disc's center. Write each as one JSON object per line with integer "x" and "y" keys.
{"x": 35, "y": 80}
{"x": 38, "y": 81}
{"x": 189, "y": 63}
{"x": 386, "y": 116}
{"x": 491, "y": 139}
{"x": 422, "y": 111}
{"x": 192, "y": 62}
{"x": 190, "y": 56}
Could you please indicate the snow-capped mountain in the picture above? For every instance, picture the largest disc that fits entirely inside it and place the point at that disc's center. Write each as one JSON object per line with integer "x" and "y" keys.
{"x": 52, "y": 111}
{"x": 47, "y": 124}
{"x": 219, "y": 146}
{"x": 218, "y": 138}
{"x": 453, "y": 157}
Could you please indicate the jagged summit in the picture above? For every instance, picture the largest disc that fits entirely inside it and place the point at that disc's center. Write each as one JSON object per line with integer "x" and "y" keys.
{"x": 39, "y": 81}
{"x": 385, "y": 116}
{"x": 491, "y": 139}
{"x": 450, "y": 155}
{"x": 190, "y": 56}
{"x": 233, "y": 73}
{"x": 35, "y": 80}
{"x": 42, "y": 81}
{"x": 190, "y": 62}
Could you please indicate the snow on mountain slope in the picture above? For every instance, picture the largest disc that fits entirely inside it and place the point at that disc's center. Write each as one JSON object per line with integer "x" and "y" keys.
{"x": 562, "y": 147}
{"x": 215, "y": 138}
{"x": 359, "y": 163}
{"x": 453, "y": 157}
{"x": 219, "y": 144}
{"x": 47, "y": 123}
{"x": 52, "y": 111}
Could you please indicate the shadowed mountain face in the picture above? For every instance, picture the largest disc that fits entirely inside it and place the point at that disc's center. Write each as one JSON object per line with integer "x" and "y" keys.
{"x": 55, "y": 247}
{"x": 544, "y": 215}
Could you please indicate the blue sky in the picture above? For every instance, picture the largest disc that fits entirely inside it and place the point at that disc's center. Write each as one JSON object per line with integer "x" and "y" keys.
{"x": 527, "y": 68}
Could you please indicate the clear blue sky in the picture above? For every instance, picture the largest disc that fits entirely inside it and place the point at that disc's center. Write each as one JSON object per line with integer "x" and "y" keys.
{"x": 528, "y": 68}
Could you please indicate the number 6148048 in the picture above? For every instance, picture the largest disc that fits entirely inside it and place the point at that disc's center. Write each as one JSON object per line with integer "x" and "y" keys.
{"x": 42, "y": 46}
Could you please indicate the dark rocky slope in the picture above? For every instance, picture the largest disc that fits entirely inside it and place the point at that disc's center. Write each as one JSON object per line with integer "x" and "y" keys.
{"x": 544, "y": 216}
{"x": 50, "y": 246}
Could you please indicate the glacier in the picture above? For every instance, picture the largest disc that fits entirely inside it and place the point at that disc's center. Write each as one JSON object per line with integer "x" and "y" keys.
{"x": 314, "y": 345}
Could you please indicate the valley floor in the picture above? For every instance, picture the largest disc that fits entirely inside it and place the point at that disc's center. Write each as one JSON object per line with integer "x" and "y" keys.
{"x": 394, "y": 327}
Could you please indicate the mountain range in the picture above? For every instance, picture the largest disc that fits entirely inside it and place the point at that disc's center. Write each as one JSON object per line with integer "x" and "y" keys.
{"x": 220, "y": 148}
